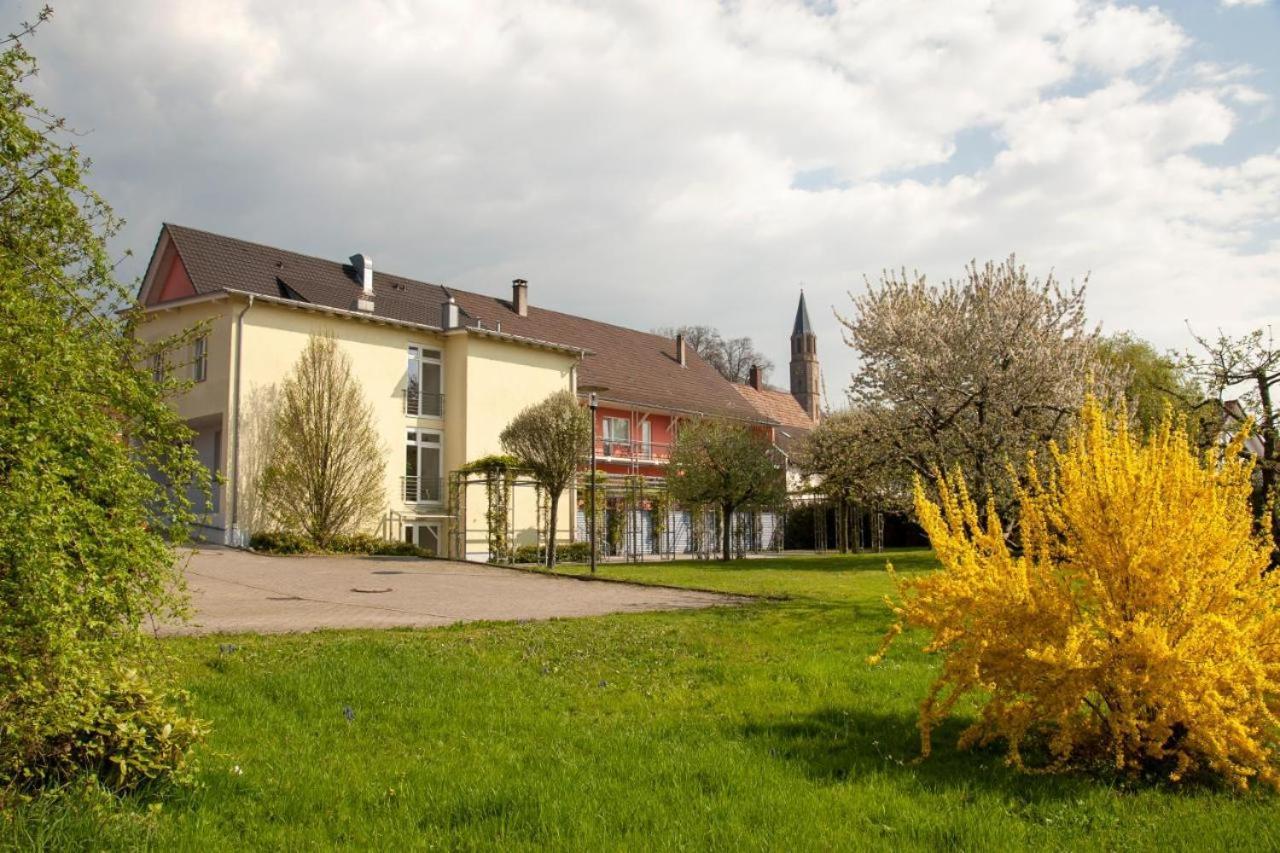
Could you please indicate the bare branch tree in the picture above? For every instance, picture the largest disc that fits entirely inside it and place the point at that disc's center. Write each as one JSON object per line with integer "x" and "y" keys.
{"x": 327, "y": 469}
{"x": 731, "y": 357}
{"x": 1246, "y": 371}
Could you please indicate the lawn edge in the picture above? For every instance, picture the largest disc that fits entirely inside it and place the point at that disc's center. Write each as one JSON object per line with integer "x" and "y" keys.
{"x": 529, "y": 569}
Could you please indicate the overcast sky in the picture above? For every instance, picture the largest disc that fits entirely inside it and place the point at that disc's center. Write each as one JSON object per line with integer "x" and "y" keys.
{"x": 660, "y": 163}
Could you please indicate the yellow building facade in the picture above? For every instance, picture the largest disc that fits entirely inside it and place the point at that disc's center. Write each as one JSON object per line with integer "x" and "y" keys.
{"x": 440, "y": 397}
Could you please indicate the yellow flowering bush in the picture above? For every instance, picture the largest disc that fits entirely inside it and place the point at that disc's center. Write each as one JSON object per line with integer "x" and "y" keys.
{"x": 1135, "y": 624}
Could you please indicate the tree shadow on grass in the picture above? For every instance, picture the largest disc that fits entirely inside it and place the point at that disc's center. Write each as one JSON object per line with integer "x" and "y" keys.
{"x": 839, "y": 745}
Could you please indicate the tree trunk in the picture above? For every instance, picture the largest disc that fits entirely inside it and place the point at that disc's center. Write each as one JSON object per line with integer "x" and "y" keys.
{"x": 728, "y": 532}
{"x": 552, "y": 519}
{"x": 1270, "y": 512}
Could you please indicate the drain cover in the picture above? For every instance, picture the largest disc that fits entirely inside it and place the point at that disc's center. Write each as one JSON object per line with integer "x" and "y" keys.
{"x": 359, "y": 589}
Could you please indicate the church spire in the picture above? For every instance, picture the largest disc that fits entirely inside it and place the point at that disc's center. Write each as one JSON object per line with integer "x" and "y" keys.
{"x": 806, "y": 375}
{"x": 802, "y": 325}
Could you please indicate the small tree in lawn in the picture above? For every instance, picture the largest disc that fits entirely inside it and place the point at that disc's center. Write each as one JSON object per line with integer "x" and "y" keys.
{"x": 550, "y": 439}
{"x": 856, "y": 466}
{"x": 725, "y": 464}
{"x": 326, "y": 474}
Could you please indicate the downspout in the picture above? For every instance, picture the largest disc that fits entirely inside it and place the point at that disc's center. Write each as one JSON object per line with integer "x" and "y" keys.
{"x": 234, "y": 525}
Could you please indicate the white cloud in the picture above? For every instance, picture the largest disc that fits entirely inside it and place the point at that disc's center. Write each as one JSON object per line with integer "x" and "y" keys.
{"x": 636, "y": 162}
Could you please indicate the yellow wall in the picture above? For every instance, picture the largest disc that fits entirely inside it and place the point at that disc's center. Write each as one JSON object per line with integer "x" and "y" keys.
{"x": 485, "y": 384}
{"x": 205, "y": 404}
{"x": 204, "y": 398}
{"x": 501, "y": 380}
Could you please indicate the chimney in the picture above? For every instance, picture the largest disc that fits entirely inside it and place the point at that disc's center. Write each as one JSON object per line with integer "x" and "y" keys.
{"x": 753, "y": 378}
{"x": 680, "y": 354}
{"x": 364, "y": 274}
{"x": 449, "y": 314}
{"x": 520, "y": 297}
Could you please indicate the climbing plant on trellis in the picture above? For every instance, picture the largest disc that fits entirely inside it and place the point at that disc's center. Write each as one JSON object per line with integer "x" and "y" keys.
{"x": 660, "y": 518}
{"x": 499, "y": 474}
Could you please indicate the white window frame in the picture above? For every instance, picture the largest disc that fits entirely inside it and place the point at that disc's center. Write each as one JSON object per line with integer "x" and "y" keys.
{"x": 412, "y": 536}
{"x": 419, "y": 444}
{"x": 421, "y": 355}
{"x": 610, "y": 440}
{"x": 200, "y": 358}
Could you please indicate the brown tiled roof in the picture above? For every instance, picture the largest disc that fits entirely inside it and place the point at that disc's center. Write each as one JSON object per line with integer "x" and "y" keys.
{"x": 636, "y": 367}
{"x": 218, "y": 263}
{"x": 777, "y": 406}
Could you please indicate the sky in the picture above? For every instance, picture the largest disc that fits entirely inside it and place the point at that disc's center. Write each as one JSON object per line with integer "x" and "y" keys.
{"x": 665, "y": 163}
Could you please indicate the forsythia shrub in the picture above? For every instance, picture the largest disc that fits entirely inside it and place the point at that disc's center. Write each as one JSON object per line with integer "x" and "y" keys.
{"x": 1136, "y": 625}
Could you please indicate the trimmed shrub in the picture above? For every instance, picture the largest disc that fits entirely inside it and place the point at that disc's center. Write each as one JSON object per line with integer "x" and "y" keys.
{"x": 289, "y": 542}
{"x": 281, "y": 542}
{"x": 1137, "y": 624}
{"x": 566, "y": 552}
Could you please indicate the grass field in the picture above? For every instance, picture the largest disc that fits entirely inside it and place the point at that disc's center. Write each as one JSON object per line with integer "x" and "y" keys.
{"x": 758, "y": 727}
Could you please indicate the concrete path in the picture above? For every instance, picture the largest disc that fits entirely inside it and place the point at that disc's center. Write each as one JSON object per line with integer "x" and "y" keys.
{"x": 236, "y": 591}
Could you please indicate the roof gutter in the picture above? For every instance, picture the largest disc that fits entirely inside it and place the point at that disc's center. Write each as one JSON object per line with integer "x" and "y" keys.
{"x": 406, "y": 324}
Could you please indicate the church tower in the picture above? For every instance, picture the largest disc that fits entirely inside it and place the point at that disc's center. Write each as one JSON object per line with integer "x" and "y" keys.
{"x": 806, "y": 381}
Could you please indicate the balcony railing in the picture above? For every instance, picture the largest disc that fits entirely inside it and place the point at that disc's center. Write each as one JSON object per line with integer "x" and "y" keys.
{"x": 421, "y": 405}
{"x": 641, "y": 451}
{"x": 421, "y": 489}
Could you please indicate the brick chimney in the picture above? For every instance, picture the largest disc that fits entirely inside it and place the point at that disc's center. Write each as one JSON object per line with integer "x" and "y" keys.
{"x": 520, "y": 297}
{"x": 754, "y": 378}
{"x": 680, "y": 350}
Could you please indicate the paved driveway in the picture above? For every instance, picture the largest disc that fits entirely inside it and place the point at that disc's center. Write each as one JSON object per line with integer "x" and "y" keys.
{"x": 238, "y": 591}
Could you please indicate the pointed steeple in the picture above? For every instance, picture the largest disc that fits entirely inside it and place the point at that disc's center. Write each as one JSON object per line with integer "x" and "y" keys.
{"x": 802, "y": 326}
{"x": 806, "y": 375}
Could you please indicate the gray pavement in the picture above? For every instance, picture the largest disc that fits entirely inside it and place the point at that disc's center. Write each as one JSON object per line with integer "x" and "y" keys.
{"x": 237, "y": 591}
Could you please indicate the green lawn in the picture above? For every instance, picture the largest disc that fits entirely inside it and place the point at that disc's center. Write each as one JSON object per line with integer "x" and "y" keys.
{"x": 737, "y": 728}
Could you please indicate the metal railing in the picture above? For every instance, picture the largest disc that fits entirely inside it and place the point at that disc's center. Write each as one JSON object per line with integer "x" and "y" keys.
{"x": 418, "y": 404}
{"x": 645, "y": 451}
{"x": 422, "y": 489}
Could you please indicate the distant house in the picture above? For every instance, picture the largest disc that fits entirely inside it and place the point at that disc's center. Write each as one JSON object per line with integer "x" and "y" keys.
{"x": 445, "y": 371}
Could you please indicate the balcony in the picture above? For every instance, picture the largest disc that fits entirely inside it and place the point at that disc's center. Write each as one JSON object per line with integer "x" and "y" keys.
{"x": 422, "y": 489}
{"x": 629, "y": 451}
{"x": 418, "y": 404}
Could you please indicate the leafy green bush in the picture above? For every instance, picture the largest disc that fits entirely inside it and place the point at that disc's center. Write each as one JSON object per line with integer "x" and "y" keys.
{"x": 281, "y": 542}
{"x": 85, "y": 530}
{"x": 121, "y": 729}
{"x": 291, "y": 542}
{"x": 566, "y": 552}
{"x": 392, "y": 548}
